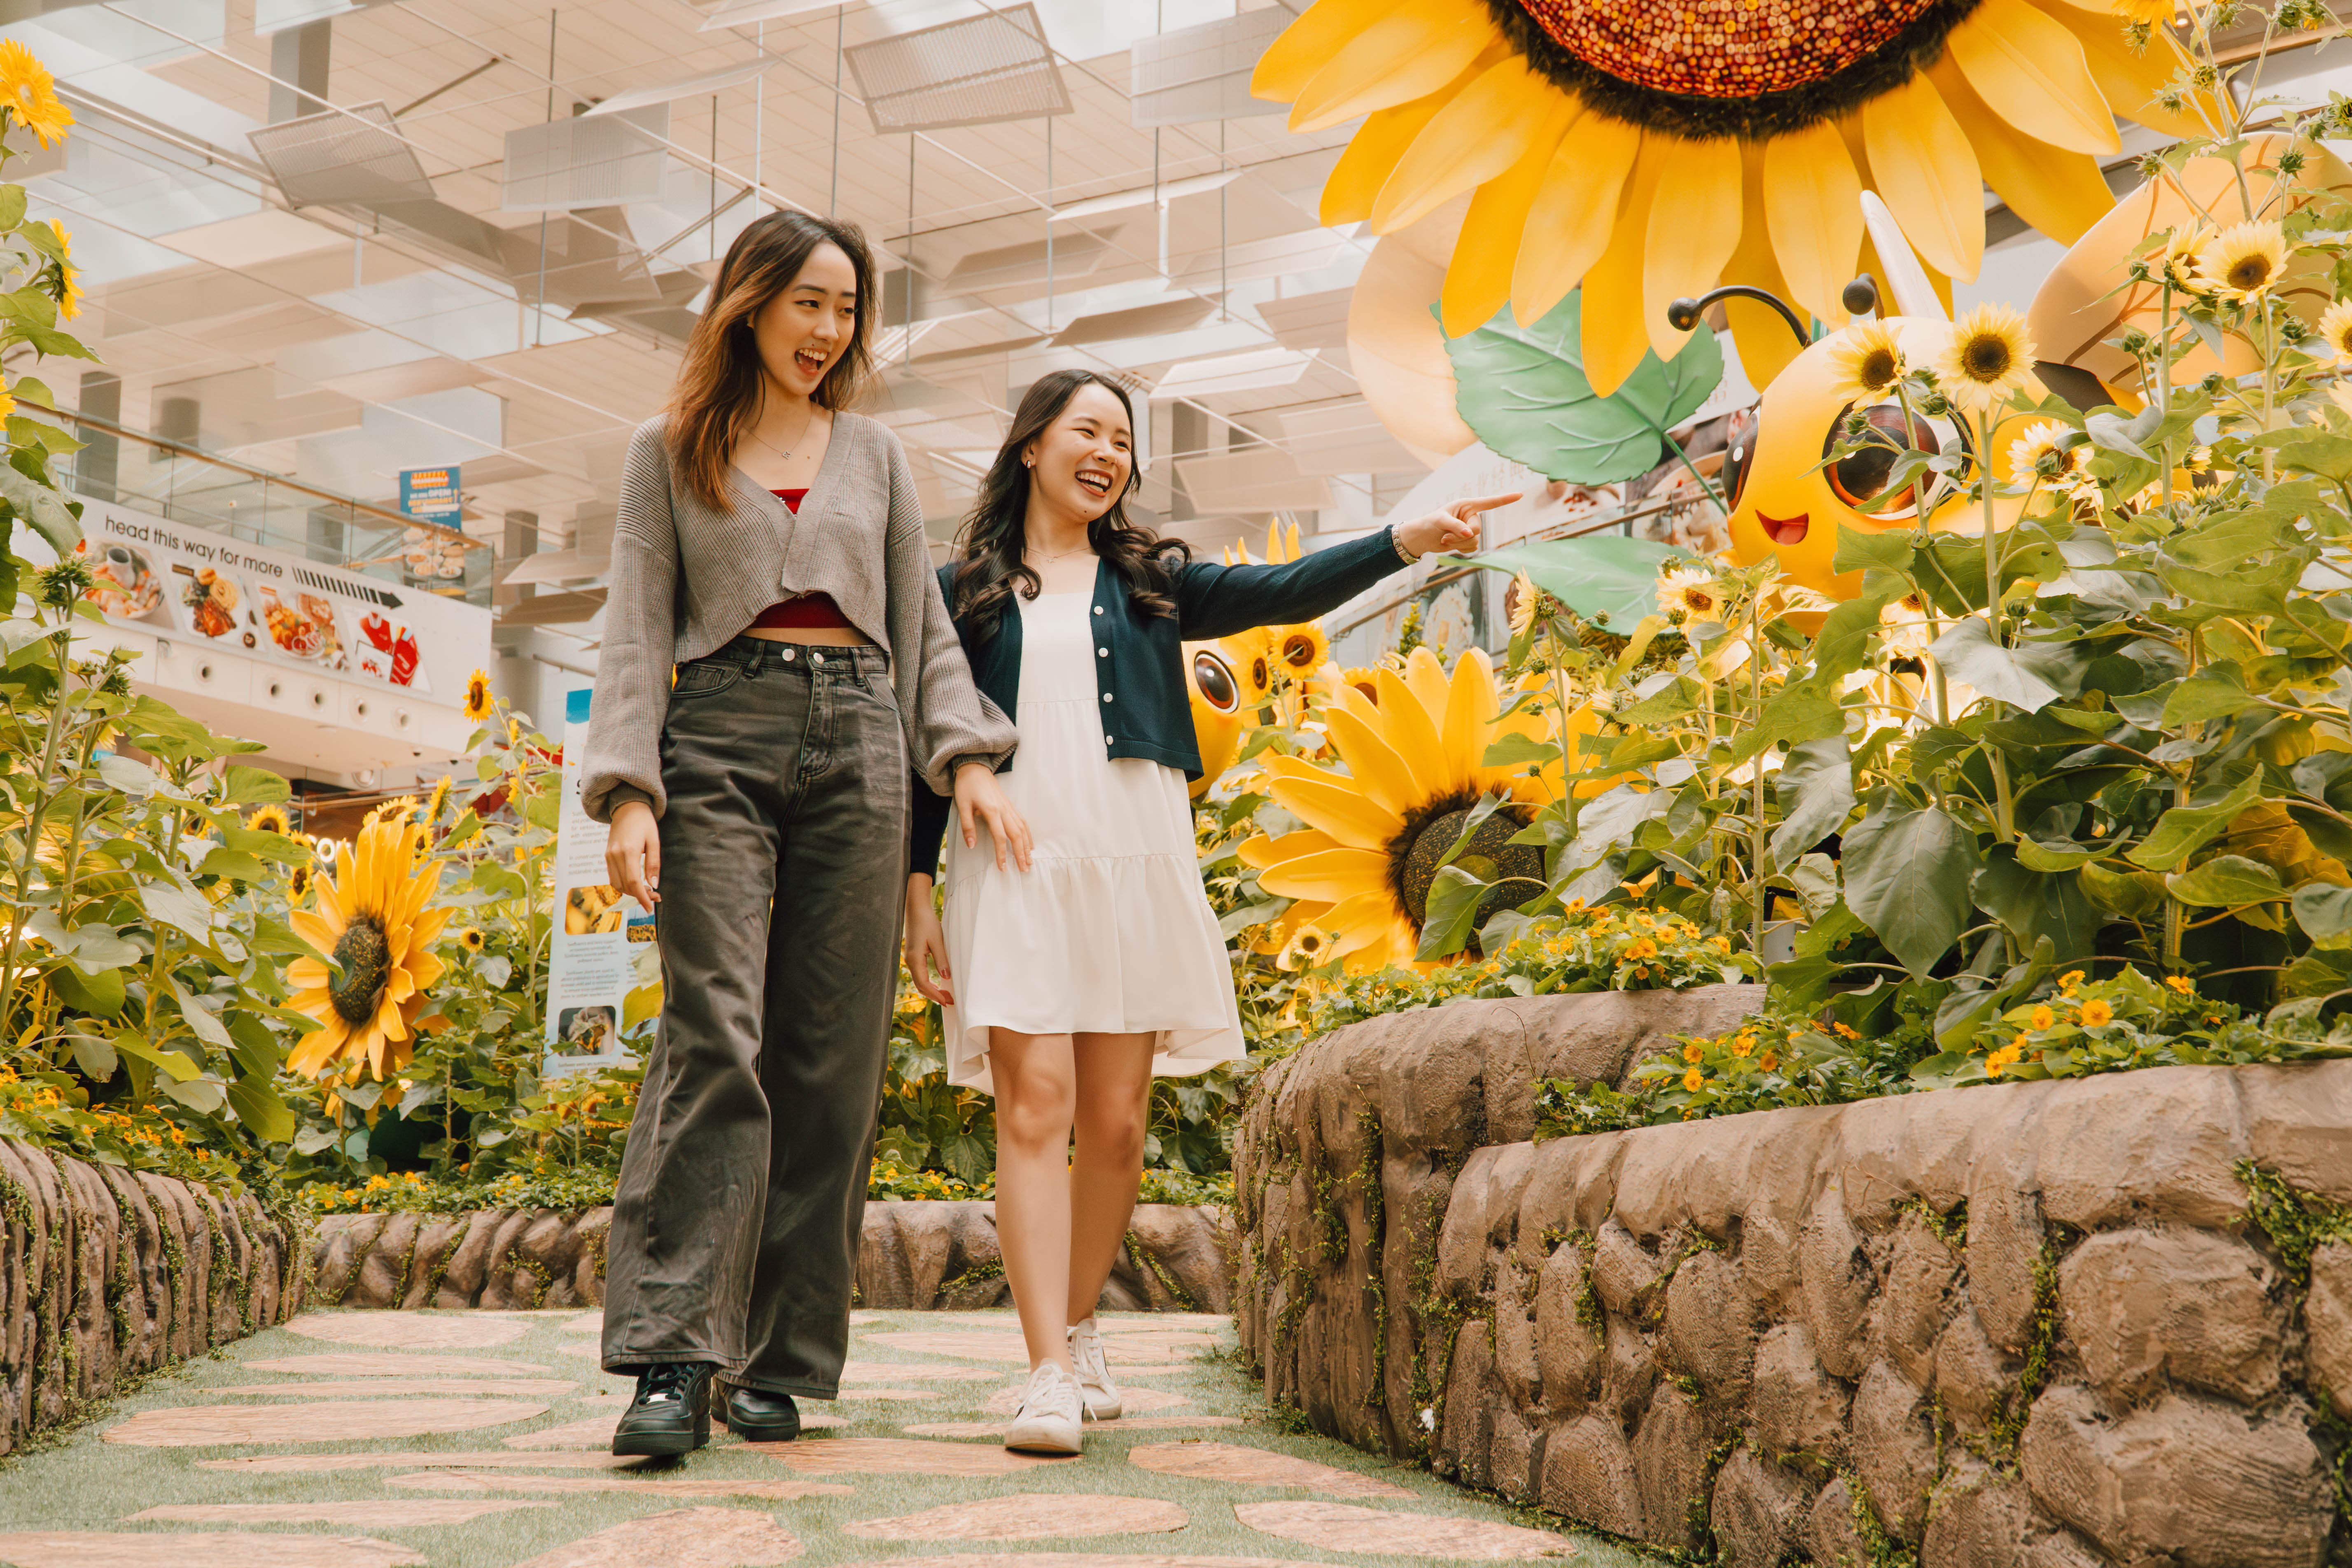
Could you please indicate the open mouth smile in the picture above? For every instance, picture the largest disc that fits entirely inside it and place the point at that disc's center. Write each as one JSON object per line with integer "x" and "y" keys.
{"x": 1785, "y": 530}
{"x": 810, "y": 359}
{"x": 1096, "y": 481}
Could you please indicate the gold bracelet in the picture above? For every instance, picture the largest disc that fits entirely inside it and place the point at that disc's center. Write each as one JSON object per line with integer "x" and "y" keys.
{"x": 1397, "y": 541}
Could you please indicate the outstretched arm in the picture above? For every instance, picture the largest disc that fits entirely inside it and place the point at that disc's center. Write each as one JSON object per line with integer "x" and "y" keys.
{"x": 1214, "y": 601}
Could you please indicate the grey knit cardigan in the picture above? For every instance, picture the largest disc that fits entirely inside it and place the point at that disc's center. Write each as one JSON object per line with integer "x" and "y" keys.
{"x": 685, "y": 580}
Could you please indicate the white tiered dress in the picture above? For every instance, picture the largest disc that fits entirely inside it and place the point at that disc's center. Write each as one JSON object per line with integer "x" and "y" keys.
{"x": 1109, "y": 931}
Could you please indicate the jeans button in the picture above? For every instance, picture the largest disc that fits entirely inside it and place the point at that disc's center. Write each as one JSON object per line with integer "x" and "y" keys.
{"x": 786, "y": 656}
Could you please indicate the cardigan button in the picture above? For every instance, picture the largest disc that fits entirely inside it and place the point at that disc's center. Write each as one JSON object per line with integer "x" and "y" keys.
{"x": 1105, "y": 696}
{"x": 1099, "y": 609}
{"x": 1102, "y": 653}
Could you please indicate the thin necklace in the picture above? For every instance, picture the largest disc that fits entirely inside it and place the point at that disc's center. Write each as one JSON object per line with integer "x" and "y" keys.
{"x": 1064, "y": 555}
{"x": 780, "y": 451}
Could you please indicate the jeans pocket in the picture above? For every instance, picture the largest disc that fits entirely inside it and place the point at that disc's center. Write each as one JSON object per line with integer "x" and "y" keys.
{"x": 705, "y": 677}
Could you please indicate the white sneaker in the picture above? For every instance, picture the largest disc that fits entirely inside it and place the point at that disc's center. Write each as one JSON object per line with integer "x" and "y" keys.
{"x": 1051, "y": 1411}
{"x": 1102, "y": 1397}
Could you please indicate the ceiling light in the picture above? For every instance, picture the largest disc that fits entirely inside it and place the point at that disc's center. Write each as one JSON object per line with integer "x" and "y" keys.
{"x": 586, "y": 161}
{"x": 1193, "y": 75}
{"x": 692, "y": 86}
{"x": 341, "y": 157}
{"x": 982, "y": 71}
{"x": 1249, "y": 372}
{"x": 1143, "y": 195}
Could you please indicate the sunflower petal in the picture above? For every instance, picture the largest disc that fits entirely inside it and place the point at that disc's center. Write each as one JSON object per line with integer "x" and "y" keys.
{"x": 1291, "y": 61}
{"x": 1470, "y": 704}
{"x": 1334, "y": 804}
{"x": 1574, "y": 211}
{"x": 1615, "y": 338}
{"x": 1812, "y": 206}
{"x": 1478, "y": 278}
{"x": 1261, "y": 851}
{"x": 1483, "y": 132}
{"x": 1416, "y": 48}
{"x": 2131, "y": 80}
{"x": 1924, "y": 170}
{"x": 320, "y": 1046}
{"x": 317, "y": 929}
{"x": 2030, "y": 71}
{"x": 1694, "y": 228}
{"x": 1412, "y": 734}
{"x": 1335, "y": 874}
{"x": 1766, "y": 344}
{"x": 1357, "y": 922}
{"x": 1384, "y": 776}
{"x": 2062, "y": 194}
{"x": 309, "y": 973}
{"x": 1355, "y": 181}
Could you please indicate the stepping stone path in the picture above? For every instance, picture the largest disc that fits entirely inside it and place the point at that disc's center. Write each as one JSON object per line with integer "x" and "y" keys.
{"x": 386, "y": 1439}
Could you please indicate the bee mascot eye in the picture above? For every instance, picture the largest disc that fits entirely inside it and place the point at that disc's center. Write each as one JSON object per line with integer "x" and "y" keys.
{"x": 1216, "y": 710}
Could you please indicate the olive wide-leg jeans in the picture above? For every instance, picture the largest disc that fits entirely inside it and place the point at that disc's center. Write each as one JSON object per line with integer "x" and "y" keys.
{"x": 743, "y": 1188}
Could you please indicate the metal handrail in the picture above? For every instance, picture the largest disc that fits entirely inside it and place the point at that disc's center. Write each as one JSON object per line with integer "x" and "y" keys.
{"x": 357, "y": 507}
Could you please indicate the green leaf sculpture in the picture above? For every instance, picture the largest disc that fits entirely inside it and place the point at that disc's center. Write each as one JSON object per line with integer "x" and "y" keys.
{"x": 1524, "y": 390}
{"x": 1603, "y": 577}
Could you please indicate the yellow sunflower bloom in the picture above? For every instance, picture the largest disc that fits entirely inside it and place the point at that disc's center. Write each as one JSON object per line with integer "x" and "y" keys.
{"x": 478, "y": 699}
{"x": 2245, "y": 261}
{"x": 1301, "y": 649}
{"x": 2335, "y": 328}
{"x": 269, "y": 819}
{"x": 1255, "y": 659}
{"x": 375, "y": 923}
{"x": 29, "y": 93}
{"x": 1524, "y": 596}
{"x": 1987, "y": 360}
{"x": 440, "y": 798}
{"x": 1415, "y": 763}
{"x": 1694, "y": 594}
{"x": 470, "y": 939}
{"x": 1649, "y": 150}
{"x": 1867, "y": 361}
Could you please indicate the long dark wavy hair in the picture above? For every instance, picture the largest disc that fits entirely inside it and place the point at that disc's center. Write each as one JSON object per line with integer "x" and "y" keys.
{"x": 720, "y": 384}
{"x": 994, "y": 537}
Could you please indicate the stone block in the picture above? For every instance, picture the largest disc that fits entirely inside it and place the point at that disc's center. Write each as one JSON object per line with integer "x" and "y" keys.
{"x": 435, "y": 1238}
{"x": 1831, "y": 1536}
{"x": 1972, "y": 1378}
{"x": 1758, "y": 1512}
{"x": 1837, "y": 1284}
{"x": 2299, "y": 1123}
{"x": 2004, "y": 1252}
{"x": 2193, "y": 1307}
{"x": 381, "y": 1279}
{"x": 1629, "y": 1372}
{"x": 1894, "y": 1449}
{"x": 1623, "y": 1271}
{"x": 469, "y": 1262}
{"x": 1768, "y": 1257}
{"x": 1463, "y": 1440}
{"x": 1670, "y": 1462}
{"x": 1569, "y": 1354}
{"x": 1516, "y": 1366}
{"x": 1916, "y": 1298}
{"x": 2159, "y": 1144}
{"x": 1514, "y": 1455}
{"x": 1710, "y": 1325}
{"x": 1797, "y": 1407}
{"x": 1588, "y": 1476}
{"x": 2184, "y": 1481}
{"x": 2327, "y": 1323}
{"x": 1979, "y": 1521}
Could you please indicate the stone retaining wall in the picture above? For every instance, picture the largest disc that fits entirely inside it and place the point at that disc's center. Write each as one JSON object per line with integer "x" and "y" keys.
{"x": 914, "y": 1255}
{"x": 106, "y": 1273}
{"x": 2027, "y": 1324}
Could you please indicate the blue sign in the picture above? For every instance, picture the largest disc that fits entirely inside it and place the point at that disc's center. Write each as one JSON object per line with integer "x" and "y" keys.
{"x": 430, "y": 495}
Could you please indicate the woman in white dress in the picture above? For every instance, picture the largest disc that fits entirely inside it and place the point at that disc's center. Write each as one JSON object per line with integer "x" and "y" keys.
{"x": 1069, "y": 986}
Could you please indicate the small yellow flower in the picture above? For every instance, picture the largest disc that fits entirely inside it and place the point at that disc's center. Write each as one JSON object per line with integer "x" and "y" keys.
{"x": 470, "y": 939}
{"x": 1851, "y": 1034}
{"x": 2043, "y": 1018}
{"x": 1693, "y": 1081}
{"x": 2068, "y": 981}
{"x": 478, "y": 697}
{"x": 1642, "y": 948}
{"x": 1524, "y": 597}
{"x": 1694, "y": 593}
{"x": 1742, "y": 1045}
{"x": 2245, "y": 261}
{"x": 2096, "y": 1013}
{"x": 1866, "y": 361}
{"x": 1694, "y": 1052}
{"x": 1988, "y": 359}
{"x": 29, "y": 92}
{"x": 2335, "y": 328}
{"x": 1768, "y": 1060}
{"x": 269, "y": 819}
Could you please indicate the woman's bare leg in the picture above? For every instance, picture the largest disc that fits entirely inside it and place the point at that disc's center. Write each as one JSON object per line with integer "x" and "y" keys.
{"x": 1036, "y": 1090}
{"x": 1114, "y": 1090}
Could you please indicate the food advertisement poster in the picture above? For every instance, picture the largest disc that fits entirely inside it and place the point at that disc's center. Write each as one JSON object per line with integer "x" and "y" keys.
{"x": 603, "y": 947}
{"x": 176, "y": 580}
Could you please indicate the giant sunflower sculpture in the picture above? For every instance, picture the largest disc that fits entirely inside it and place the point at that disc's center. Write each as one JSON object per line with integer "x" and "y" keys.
{"x": 1650, "y": 148}
{"x": 375, "y": 922}
{"x": 1376, "y": 834}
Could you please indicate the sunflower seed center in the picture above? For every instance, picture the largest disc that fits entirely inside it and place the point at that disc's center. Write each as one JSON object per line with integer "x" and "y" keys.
{"x": 364, "y": 960}
{"x": 1986, "y": 358}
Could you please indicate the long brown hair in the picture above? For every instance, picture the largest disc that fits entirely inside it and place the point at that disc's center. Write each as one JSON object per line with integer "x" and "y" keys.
{"x": 994, "y": 539}
{"x": 721, "y": 382}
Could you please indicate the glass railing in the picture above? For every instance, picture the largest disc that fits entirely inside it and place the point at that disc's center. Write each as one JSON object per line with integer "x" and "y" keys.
{"x": 185, "y": 485}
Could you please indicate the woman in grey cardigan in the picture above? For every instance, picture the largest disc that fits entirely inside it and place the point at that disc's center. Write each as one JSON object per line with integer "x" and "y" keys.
{"x": 776, "y": 656}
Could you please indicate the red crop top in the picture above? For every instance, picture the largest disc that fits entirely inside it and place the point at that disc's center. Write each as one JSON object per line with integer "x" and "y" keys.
{"x": 808, "y": 610}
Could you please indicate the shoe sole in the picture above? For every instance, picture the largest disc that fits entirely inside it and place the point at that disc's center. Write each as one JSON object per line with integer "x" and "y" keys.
{"x": 1042, "y": 1443}
{"x": 662, "y": 1445}
{"x": 751, "y": 1434}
